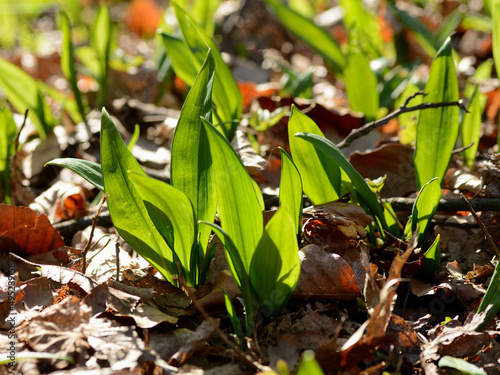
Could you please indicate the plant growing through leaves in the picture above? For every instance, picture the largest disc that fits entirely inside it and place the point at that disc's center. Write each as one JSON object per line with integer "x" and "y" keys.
{"x": 160, "y": 221}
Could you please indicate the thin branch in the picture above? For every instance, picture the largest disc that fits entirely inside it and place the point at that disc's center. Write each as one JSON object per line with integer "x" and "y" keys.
{"x": 481, "y": 224}
{"x": 367, "y": 128}
{"x": 479, "y": 204}
{"x": 16, "y": 141}
{"x": 89, "y": 242}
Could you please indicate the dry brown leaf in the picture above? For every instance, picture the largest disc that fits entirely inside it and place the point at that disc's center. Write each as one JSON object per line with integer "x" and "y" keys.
{"x": 335, "y": 226}
{"x": 195, "y": 343}
{"x": 62, "y": 201}
{"x": 25, "y": 231}
{"x": 58, "y": 329}
{"x": 372, "y": 333}
{"x": 62, "y": 275}
{"x": 393, "y": 160}
{"x": 457, "y": 341}
{"x": 325, "y": 275}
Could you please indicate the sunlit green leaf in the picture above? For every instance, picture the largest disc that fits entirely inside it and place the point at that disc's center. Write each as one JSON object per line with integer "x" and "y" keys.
{"x": 238, "y": 204}
{"x": 316, "y": 37}
{"x": 321, "y": 179}
{"x": 68, "y": 63}
{"x": 471, "y": 127}
{"x": 275, "y": 267}
{"x": 422, "y": 33}
{"x": 437, "y": 128}
{"x": 362, "y": 189}
{"x": 425, "y": 207}
{"x": 226, "y": 94}
{"x": 101, "y": 42}
{"x": 23, "y": 92}
{"x": 172, "y": 213}
{"x": 127, "y": 209}
{"x": 8, "y": 132}
{"x": 191, "y": 159}
{"x": 233, "y": 316}
{"x": 180, "y": 56}
{"x": 492, "y": 297}
{"x": 361, "y": 84}
{"x": 87, "y": 169}
{"x": 432, "y": 258}
{"x": 461, "y": 365}
{"x": 290, "y": 193}
{"x": 309, "y": 365}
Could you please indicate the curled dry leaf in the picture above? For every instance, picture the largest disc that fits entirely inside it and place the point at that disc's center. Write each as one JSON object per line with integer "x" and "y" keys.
{"x": 325, "y": 275}
{"x": 62, "y": 275}
{"x": 62, "y": 201}
{"x": 25, "y": 231}
{"x": 335, "y": 226}
{"x": 194, "y": 343}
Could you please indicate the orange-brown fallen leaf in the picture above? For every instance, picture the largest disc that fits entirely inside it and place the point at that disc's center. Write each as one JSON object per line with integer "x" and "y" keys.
{"x": 24, "y": 231}
{"x": 325, "y": 275}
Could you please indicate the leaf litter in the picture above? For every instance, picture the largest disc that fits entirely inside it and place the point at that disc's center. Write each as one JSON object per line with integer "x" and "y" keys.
{"x": 359, "y": 308}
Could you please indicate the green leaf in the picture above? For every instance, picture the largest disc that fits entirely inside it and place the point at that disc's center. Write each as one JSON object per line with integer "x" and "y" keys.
{"x": 135, "y": 137}
{"x": 275, "y": 267}
{"x": 425, "y": 207}
{"x": 408, "y": 121}
{"x": 238, "y": 201}
{"x": 309, "y": 365}
{"x": 357, "y": 17}
{"x": 23, "y": 92}
{"x": 239, "y": 273}
{"x": 361, "y": 84}
{"x": 180, "y": 56}
{"x": 101, "y": 42}
{"x": 437, "y": 128}
{"x": 172, "y": 213}
{"x": 126, "y": 207}
{"x": 321, "y": 179}
{"x": 422, "y": 33}
{"x": 362, "y": 189}
{"x": 492, "y": 297}
{"x": 233, "y": 316}
{"x": 448, "y": 26}
{"x": 8, "y": 132}
{"x": 432, "y": 258}
{"x": 461, "y": 365}
{"x": 25, "y": 355}
{"x": 191, "y": 159}
{"x": 203, "y": 12}
{"x": 313, "y": 35}
{"x": 290, "y": 193}
{"x": 68, "y": 64}
{"x": 227, "y": 96}
{"x": 89, "y": 170}
{"x": 471, "y": 127}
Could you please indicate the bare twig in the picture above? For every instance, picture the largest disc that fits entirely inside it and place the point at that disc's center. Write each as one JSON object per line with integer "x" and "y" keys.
{"x": 89, "y": 242}
{"x": 245, "y": 358}
{"x": 481, "y": 225}
{"x": 367, "y": 128}
{"x": 460, "y": 149}
{"x": 446, "y": 204}
{"x": 16, "y": 141}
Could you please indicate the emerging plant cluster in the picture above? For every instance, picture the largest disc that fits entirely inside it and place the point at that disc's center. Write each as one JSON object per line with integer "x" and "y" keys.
{"x": 170, "y": 225}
